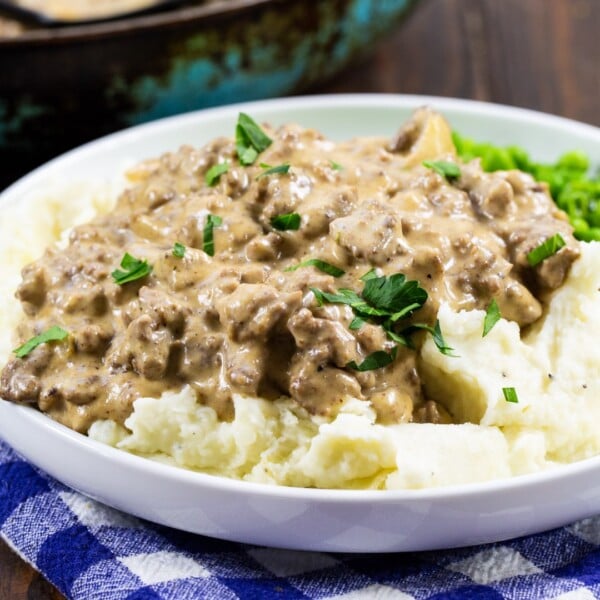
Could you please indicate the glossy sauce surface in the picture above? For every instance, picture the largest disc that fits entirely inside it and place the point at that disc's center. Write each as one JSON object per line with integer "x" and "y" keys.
{"x": 240, "y": 321}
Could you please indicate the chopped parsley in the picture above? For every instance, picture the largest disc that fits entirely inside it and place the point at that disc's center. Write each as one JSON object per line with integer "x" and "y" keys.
{"x": 350, "y": 298}
{"x": 54, "y": 334}
{"x": 445, "y": 168}
{"x": 178, "y": 250}
{"x": 133, "y": 269}
{"x": 385, "y": 301}
{"x": 208, "y": 241}
{"x": 510, "y": 395}
{"x": 439, "y": 341}
{"x": 492, "y": 316}
{"x": 376, "y": 360}
{"x": 269, "y": 170}
{"x": 546, "y": 249}
{"x": 356, "y": 323}
{"x": 250, "y": 139}
{"x": 393, "y": 294}
{"x": 319, "y": 264}
{"x": 437, "y": 336}
{"x": 401, "y": 338}
{"x": 286, "y": 222}
{"x": 370, "y": 274}
{"x": 214, "y": 173}
{"x": 336, "y": 166}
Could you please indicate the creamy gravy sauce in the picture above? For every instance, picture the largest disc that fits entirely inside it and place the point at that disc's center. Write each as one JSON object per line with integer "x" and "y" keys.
{"x": 237, "y": 321}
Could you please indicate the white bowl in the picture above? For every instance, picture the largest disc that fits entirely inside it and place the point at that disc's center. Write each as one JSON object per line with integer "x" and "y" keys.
{"x": 309, "y": 519}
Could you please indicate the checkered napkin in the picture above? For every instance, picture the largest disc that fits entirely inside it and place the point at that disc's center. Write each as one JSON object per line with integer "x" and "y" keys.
{"x": 90, "y": 551}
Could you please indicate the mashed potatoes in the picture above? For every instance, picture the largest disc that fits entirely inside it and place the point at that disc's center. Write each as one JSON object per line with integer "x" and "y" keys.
{"x": 553, "y": 368}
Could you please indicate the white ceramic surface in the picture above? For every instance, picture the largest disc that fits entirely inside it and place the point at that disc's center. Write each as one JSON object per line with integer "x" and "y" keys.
{"x": 344, "y": 521}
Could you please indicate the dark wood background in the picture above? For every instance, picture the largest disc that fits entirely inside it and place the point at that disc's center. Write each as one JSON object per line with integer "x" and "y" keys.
{"x": 540, "y": 54}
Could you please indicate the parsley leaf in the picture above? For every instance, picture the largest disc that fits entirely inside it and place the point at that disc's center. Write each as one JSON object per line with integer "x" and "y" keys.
{"x": 492, "y": 316}
{"x": 510, "y": 394}
{"x": 391, "y": 297}
{"x": 356, "y": 323}
{"x": 438, "y": 338}
{"x": 546, "y": 249}
{"x": 250, "y": 139}
{"x": 213, "y": 174}
{"x": 134, "y": 269}
{"x": 269, "y": 170}
{"x": 400, "y": 298}
{"x": 439, "y": 341}
{"x": 446, "y": 169}
{"x": 370, "y": 274}
{"x": 319, "y": 264}
{"x": 54, "y": 334}
{"x": 246, "y": 154}
{"x": 286, "y": 222}
{"x": 178, "y": 250}
{"x": 336, "y": 166}
{"x": 399, "y": 338}
{"x": 352, "y": 299}
{"x": 376, "y": 360}
{"x": 384, "y": 301}
{"x": 208, "y": 242}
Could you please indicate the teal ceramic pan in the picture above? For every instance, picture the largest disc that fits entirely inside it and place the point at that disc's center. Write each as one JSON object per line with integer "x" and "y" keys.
{"x": 61, "y": 87}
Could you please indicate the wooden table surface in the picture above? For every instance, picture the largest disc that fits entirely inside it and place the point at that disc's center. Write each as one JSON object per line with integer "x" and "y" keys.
{"x": 540, "y": 54}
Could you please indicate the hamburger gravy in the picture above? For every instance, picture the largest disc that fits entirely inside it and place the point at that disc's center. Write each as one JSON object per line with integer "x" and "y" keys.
{"x": 282, "y": 277}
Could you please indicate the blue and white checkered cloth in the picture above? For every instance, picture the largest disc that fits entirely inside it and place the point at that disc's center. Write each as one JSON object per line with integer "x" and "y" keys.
{"x": 90, "y": 551}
